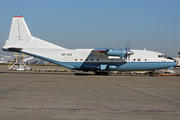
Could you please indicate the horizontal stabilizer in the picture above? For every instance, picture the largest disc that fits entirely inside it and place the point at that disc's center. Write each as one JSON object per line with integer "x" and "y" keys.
{"x": 13, "y": 49}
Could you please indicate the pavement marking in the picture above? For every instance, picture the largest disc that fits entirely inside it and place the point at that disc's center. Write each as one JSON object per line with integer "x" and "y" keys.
{"x": 109, "y": 110}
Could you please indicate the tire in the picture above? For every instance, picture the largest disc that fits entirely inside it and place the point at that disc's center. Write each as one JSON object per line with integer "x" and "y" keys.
{"x": 151, "y": 74}
{"x": 97, "y": 73}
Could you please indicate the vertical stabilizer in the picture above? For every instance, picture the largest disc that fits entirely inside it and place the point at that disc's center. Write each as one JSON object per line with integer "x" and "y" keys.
{"x": 19, "y": 30}
{"x": 21, "y": 38}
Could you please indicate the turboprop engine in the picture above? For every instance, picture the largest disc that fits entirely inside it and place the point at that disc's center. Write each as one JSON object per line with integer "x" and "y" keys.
{"x": 115, "y": 52}
{"x": 118, "y": 52}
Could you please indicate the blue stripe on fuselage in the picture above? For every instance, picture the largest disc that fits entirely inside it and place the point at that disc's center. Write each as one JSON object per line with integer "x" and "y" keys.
{"x": 140, "y": 66}
{"x": 121, "y": 66}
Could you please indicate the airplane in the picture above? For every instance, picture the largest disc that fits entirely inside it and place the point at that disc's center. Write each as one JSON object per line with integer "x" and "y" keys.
{"x": 100, "y": 61}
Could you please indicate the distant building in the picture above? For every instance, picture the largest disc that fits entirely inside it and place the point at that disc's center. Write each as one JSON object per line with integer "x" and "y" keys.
{"x": 37, "y": 61}
{"x": 6, "y": 59}
{"x": 9, "y": 59}
{"x": 1, "y": 58}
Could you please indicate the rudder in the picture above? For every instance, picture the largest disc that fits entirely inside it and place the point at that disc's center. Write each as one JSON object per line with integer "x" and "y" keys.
{"x": 19, "y": 30}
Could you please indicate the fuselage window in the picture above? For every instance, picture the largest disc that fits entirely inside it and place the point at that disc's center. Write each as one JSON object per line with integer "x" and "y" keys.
{"x": 145, "y": 59}
{"x": 91, "y": 59}
{"x": 134, "y": 59}
{"x": 139, "y": 59}
{"x": 86, "y": 59}
{"x": 75, "y": 59}
{"x": 81, "y": 59}
{"x": 97, "y": 59}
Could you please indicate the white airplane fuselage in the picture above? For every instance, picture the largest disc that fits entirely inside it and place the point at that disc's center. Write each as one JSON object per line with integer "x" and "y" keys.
{"x": 20, "y": 40}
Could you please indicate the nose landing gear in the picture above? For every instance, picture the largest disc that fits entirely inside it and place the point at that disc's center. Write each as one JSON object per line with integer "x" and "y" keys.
{"x": 151, "y": 73}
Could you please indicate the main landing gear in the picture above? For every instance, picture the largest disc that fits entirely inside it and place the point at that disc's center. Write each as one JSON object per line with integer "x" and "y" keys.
{"x": 101, "y": 73}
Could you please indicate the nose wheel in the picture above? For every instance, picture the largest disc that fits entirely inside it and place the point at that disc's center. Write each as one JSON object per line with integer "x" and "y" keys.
{"x": 151, "y": 73}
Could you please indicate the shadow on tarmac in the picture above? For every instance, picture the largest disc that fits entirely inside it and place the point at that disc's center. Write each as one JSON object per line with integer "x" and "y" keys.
{"x": 82, "y": 74}
{"x": 50, "y": 73}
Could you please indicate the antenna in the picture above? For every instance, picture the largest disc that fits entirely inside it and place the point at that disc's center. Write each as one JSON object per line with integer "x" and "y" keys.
{"x": 126, "y": 45}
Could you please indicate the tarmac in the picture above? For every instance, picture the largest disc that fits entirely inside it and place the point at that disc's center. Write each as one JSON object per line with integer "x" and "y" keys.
{"x": 30, "y": 95}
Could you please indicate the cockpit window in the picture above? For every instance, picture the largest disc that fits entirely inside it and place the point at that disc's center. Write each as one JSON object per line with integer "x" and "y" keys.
{"x": 164, "y": 56}
{"x": 160, "y": 55}
{"x": 170, "y": 58}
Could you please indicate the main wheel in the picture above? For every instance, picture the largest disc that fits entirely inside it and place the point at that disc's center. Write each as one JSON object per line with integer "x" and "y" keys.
{"x": 97, "y": 73}
{"x": 105, "y": 73}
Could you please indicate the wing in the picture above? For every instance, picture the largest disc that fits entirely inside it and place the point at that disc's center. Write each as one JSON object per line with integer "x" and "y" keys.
{"x": 112, "y": 52}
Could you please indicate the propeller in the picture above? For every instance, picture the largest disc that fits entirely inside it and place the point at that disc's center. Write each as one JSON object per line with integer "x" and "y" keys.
{"x": 128, "y": 52}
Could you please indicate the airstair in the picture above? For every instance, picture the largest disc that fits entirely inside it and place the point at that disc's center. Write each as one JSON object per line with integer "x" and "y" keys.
{"x": 19, "y": 63}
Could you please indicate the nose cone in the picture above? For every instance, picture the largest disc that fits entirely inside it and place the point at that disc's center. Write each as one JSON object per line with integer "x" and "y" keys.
{"x": 171, "y": 65}
{"x": 171, "y": 62}
{"x": 174, "y": 63}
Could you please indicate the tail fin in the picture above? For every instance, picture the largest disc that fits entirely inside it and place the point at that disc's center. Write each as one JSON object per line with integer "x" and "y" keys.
{"x": 19, "y": 30}
{"x": 21, "y": 38}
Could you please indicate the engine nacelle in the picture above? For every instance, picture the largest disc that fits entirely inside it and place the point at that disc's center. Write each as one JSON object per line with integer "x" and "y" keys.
{"x": 116, "y": 52}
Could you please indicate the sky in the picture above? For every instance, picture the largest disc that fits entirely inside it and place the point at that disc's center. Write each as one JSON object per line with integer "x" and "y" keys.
{"x": 150, "y": 24}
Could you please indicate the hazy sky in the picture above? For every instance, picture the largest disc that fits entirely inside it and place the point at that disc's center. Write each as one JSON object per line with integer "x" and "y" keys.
{"x": 150, "y": 24}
